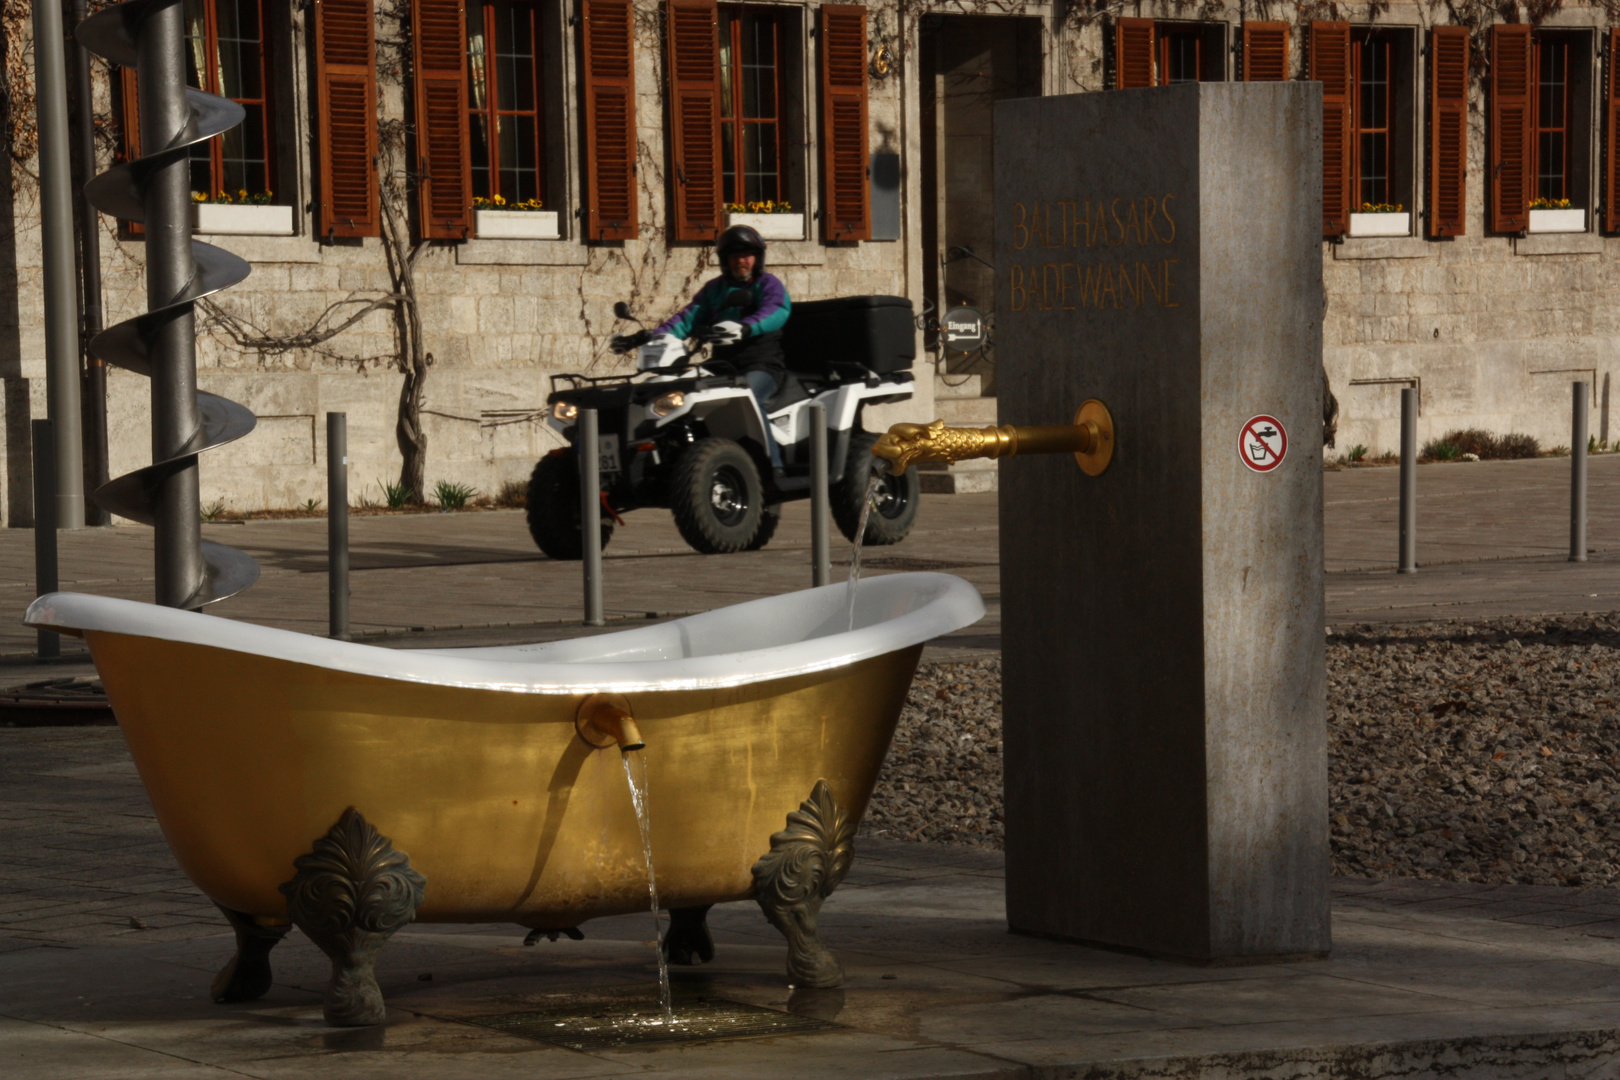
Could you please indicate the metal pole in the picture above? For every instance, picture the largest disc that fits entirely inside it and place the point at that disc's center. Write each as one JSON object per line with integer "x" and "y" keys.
{"x": 820, "y": 550}
{"x": 161, "y": 88}
{"x": 45, "y": 565}
{"x": 1577, "y": 473}
{"x": 337, "y": 524}
{"x": 590, "y": 515}
{"x": 1409, "y": 410}
{"x": 94, "y": 403}
{"x": 56, "y": 244}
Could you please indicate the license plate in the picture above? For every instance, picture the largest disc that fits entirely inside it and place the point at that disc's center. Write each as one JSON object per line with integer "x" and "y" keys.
{"x": 607, "y": 451}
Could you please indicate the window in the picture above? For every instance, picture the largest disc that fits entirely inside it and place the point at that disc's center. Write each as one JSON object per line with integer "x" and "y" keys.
{"x": 1552, "y": 111}
{"x": 1150, "y": 52}
{"x": 505, "y": 100}
{"x": 1180, "y": 57}
{"x": 751, "y": 69}
{"x": 1371, "y": 63}
{"x": 736, "y": 121}
{"x": 1367, "y": 122}
{"x": 226, "y": 48}
{"x": 1540, "y": 123}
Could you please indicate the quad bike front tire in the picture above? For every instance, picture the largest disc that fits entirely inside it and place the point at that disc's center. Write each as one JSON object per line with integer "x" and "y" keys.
{"x": 717, "y": 497}
{"x": 769, "y": 518}
{"x": 896, "y": 508}
{"x": 553, "y": 508}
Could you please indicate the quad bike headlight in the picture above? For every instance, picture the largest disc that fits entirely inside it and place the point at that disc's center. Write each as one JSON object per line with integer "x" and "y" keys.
{"x": 668, "y": 403}
{"x": 564, "y": 411}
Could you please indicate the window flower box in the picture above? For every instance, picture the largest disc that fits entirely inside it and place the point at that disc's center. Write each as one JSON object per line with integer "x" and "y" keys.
{"x": 1390, "y": 224}
{"x": 236, "y": 219}
{"x": 1558, "y": 221}
{"x": 771, "y": 226}
{"x": 515, "y": 225}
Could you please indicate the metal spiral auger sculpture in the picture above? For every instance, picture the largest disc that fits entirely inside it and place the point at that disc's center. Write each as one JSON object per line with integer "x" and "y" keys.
{"x": 154, "y": 189}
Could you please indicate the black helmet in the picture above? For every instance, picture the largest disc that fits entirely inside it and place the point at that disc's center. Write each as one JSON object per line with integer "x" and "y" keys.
{"x": 742, "y": 240}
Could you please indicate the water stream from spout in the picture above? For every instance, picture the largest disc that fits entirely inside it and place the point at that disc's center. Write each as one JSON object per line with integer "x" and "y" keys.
{"x": 867, "y": 503}
{"x": 638, "y": 796}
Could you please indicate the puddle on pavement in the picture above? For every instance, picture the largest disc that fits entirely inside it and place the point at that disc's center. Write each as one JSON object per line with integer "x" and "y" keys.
{"x": 605, "y": 1026}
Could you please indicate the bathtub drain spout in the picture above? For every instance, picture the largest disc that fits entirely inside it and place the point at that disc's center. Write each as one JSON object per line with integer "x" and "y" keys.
{"x": 604, "y": 720}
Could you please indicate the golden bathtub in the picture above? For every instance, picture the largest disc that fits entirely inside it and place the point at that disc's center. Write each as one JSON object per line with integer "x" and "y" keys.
{"x": 349, "y": 789}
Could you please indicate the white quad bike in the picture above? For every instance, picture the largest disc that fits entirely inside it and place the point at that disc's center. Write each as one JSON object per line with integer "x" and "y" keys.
{"x": 686, "y": 433}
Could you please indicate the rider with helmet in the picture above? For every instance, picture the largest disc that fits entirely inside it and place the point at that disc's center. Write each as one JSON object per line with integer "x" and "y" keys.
{"x": 748, "y": 335}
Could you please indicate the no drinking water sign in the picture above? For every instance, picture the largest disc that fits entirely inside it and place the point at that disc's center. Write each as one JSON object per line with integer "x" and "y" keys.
{"x": 1262, "y": 444}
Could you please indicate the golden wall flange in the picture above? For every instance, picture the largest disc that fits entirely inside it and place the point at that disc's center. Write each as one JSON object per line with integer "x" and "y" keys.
{"x": 1094, "y": 416}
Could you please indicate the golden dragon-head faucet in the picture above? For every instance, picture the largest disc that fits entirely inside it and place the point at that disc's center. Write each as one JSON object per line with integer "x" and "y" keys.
{"x": 1090, "y": 439}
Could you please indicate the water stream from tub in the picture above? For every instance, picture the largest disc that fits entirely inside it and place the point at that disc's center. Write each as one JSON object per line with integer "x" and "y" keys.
{"x": 638, "y": 797}
{"x": 872, "y": 484}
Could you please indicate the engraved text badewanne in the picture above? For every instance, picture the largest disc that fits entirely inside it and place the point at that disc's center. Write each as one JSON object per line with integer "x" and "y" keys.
{"x": 1106, "y": 277}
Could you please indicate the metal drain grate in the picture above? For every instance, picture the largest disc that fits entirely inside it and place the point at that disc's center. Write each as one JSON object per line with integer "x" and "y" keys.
{"x": 906, "y": 562}
{"x": 608, "y": 1026}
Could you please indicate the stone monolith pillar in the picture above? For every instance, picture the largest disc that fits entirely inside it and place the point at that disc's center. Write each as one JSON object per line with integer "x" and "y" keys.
{"x": 1166, "y": 745}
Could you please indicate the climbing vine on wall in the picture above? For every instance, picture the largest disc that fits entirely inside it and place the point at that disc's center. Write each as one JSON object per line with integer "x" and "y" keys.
{"x": 17, "y": 86}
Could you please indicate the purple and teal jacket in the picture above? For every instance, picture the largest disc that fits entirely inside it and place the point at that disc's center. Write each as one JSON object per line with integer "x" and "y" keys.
{"x": 762, "y": 320}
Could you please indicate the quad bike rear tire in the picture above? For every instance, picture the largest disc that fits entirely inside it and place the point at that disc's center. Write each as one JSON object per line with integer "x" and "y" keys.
{"x": 717, "y": 497}
{"x": 553, "y": 508}
{"x": 896, "y": 511}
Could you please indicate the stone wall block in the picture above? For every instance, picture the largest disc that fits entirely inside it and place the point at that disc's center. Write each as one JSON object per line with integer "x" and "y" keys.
{"x": 496, "y": 315}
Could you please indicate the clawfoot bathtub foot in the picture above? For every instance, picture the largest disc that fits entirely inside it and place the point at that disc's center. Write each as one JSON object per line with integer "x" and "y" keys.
{"x": 806, "y": 862}
{"x": 247, "y": 976}
{"x": 350, "y": 895}
{"x": 687, "y": 941}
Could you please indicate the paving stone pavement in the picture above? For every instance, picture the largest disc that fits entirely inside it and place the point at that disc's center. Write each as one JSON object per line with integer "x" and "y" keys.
{"x": 106, "y": 950}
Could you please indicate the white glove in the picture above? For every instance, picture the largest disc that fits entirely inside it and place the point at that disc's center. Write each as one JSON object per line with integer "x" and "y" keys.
{"x": 728, "y": 332}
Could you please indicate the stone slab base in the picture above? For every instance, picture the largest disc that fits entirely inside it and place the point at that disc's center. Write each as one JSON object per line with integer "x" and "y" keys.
{"x": 1591, "y": 1053}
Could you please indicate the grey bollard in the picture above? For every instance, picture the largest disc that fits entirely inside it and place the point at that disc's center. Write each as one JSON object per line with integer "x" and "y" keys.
{"x": 337, "y": 525}
{"x": 1577, "y": 473}
{"x": 45, "y": 563}
{"x": 820, "y": 548}
{"x": 590, "y": 514}
{"x": 1409, "y": 453}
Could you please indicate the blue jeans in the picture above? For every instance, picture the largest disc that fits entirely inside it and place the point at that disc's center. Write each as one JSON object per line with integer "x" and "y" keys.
{"x": 762, "y": 384}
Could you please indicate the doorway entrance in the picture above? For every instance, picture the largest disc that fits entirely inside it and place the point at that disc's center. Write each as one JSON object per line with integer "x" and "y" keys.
{"x": 968, "y": 63}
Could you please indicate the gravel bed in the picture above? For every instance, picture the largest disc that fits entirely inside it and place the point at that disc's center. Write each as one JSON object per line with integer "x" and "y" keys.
{"x": 1481, "y": 751}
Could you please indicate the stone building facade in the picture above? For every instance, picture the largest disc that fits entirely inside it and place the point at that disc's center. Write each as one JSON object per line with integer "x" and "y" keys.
{"x": 1488, "y": 315}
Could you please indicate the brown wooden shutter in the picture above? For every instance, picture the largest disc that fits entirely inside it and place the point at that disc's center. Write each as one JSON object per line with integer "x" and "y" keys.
{"x": 1510, "y": 119}
{"x": 846, "y": 210}
{"x": 1448, "y": 131}
{"x": 608, "y": 29}
{"x": 1133, "y": 53}
{"x": 1330, "y": 66}
{"x": 694, "y": 116}
{"x": 346, "y": 118}
{"x": 130, "y": 105}
{"x": 1265, "y": 52}
{"x": 443, "y": 157}
{"x": 1611, "y": 135}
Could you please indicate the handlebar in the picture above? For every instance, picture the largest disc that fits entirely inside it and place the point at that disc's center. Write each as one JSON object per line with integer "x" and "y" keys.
{"x": 628, "y": 343}
{"x": 706, "y": 335}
